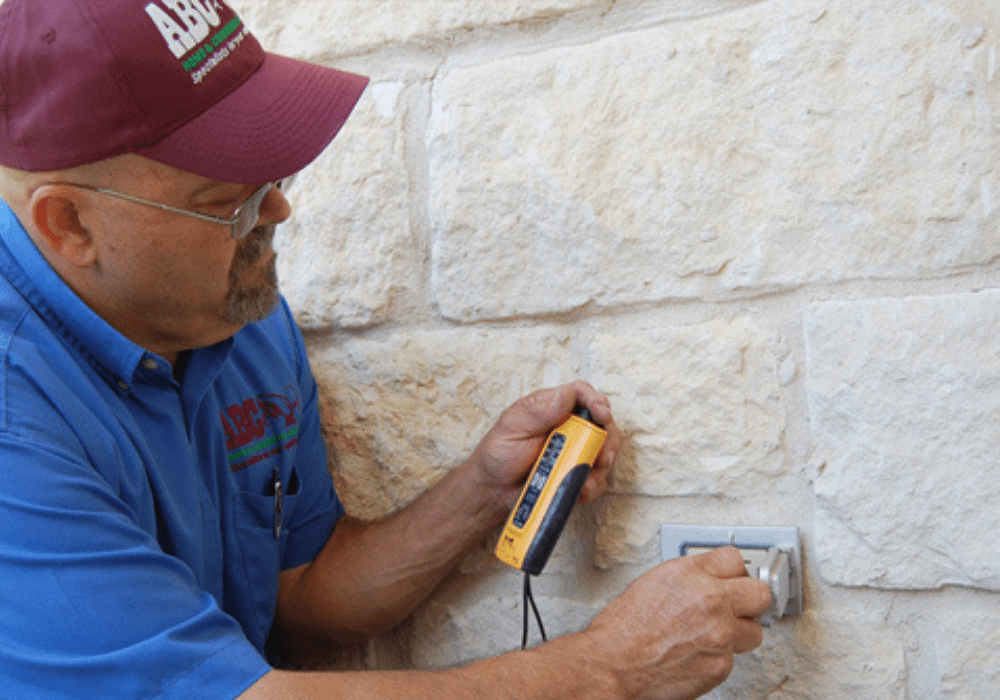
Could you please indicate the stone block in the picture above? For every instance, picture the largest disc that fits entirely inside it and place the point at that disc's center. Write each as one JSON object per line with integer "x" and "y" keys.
{"x": 628, "y": 532}
{"x": 319, "y": 29}
{"x": 752, "y": 151}
{"x": 700, "y": 405}
{"x": 967, "y": 646}
{"x": 349, "y": 245}
{"x": 448, "y": 635}
{"x": 408, "y": 408}
{"x": 904, "y": 404}
{"x": 828, "y": 656}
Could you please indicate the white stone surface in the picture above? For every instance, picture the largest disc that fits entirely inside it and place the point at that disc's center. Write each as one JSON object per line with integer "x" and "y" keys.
{"x": 904, "y": 402}
{"x": 700, "y": 404}
{"x": 320, "y": 29}
{"x": 627, "y": 534}
{"x": 753, "y": 151}
{"x": 408, "y": 408}
{"x": 848, "y": 656}
{"x": 968, "y": 653}
{"x": 448, "y": 635}
{"x": 349, "y": 245}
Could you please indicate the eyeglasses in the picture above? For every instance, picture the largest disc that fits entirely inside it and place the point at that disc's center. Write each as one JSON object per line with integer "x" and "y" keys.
{"x": 240, "y": 224}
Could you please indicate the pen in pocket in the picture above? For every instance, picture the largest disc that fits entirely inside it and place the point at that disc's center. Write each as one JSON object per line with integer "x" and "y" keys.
{"x": 279, "y": 498}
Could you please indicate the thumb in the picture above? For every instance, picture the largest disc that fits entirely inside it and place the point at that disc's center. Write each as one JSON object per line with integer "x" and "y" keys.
{"x": 542, "y": 410}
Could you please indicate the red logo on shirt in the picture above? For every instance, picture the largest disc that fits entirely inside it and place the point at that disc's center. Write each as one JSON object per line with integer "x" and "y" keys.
{"x": 260, "y": 427}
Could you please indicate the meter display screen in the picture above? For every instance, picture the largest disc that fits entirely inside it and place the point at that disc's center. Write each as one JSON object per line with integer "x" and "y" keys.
{"x": 545, "y": 464}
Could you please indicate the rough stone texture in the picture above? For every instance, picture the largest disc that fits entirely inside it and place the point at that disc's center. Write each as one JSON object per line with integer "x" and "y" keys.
{"x": 348, "y": 244}
{"x": 411, "y": 407}
{"x": 753, "y": 151}
{"x": 627, "y": 532}
{"x": 701, "y": 407}
{"x": 357, "y": 26}
{"x": 449, "y": 635}
{"x": 904, "y": 400}
{"x": 692, "y": 204}
{"x": 847, "y": 657}
{"x": 967, "y": 648}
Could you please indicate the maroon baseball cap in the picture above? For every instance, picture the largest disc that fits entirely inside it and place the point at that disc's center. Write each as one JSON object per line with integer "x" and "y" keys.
{"x": 182, "y": 82}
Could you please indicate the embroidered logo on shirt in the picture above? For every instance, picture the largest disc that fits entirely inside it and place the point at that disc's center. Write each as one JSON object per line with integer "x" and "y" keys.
{"x": 261, "y": 427}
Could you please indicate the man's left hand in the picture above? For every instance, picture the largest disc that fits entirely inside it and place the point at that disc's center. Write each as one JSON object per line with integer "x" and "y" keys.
{"x": 508, "y": 451}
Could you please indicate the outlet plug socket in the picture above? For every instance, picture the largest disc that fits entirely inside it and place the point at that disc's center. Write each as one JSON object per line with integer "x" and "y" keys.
{"x": 772, "y": 554}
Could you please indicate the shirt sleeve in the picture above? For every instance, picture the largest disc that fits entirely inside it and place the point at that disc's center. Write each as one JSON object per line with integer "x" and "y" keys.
{"x": 90, "y": 606}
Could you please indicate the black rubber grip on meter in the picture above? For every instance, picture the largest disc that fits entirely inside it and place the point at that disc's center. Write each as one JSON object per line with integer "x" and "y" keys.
{"x": 555, "y": 519}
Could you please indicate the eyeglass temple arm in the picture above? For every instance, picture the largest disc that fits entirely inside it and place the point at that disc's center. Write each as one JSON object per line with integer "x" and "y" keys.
{"x": 164, "y": 207}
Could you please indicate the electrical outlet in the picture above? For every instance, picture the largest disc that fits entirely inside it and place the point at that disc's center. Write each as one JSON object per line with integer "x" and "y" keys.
{"x": 771, "y": 554}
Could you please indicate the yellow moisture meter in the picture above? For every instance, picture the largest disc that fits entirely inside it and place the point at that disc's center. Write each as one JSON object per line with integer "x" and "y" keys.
{"x": 553, "y": 486}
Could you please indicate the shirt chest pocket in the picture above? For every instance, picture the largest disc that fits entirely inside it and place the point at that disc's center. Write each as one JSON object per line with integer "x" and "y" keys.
{"x": 261, "y": 535}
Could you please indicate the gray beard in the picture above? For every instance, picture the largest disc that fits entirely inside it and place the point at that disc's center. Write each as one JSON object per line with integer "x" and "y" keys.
{"x": 251, "y": 301}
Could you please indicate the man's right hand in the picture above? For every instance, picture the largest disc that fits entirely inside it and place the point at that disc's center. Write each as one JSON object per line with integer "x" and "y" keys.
{"x": 670, "y": 636}
{"x": 673, "y": 633}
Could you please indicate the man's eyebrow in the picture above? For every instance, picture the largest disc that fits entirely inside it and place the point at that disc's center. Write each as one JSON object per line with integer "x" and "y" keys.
{"x": 205, "y": 191}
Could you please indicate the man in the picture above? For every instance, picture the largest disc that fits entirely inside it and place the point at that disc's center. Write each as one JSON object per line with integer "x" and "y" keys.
{"x": 165, "y": 506}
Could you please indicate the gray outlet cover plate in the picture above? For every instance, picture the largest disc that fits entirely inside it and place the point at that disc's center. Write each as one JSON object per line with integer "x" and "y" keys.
{"x": 681, "y": 540}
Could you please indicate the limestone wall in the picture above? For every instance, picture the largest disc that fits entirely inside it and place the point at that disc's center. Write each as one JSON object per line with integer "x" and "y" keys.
{"x": 768, "y": 230}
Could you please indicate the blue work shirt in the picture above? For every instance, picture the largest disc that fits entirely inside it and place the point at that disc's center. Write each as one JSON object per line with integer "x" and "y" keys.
{"x": 139, "y": 548}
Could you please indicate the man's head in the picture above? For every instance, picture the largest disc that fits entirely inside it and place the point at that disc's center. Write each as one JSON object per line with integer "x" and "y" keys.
{"x": 167, "y": 281}
{"x": 173, "y": 102}
{"x": 181, "y": 82}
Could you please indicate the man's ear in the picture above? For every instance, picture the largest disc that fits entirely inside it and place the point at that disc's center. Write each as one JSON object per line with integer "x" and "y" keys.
{"x": 54, "y": 212}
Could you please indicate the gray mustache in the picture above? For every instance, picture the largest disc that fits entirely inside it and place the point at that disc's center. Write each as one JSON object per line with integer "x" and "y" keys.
{"x": 251, "y": 247}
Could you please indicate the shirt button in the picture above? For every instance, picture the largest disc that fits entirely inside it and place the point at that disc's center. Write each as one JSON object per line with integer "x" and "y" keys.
{"x": 151, "y": 365}
{"x": 122, "y": 385}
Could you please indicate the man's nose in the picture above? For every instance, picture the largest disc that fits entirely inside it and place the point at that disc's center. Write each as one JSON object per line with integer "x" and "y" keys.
{"x": 274, "y": 209}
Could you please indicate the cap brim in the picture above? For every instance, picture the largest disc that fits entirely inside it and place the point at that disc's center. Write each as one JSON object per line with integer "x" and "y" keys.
{"x": 273, "y": 125}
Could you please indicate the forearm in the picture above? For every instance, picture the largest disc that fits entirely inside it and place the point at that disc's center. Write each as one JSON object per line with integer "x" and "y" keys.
{"x": 671, "y": 635}
{"x": 371, "y": 575}
{"x": 560, "y": 669}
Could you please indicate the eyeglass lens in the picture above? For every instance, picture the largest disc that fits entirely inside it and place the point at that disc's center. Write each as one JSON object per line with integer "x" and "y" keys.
{"x": 249, "y": 211}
